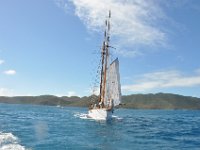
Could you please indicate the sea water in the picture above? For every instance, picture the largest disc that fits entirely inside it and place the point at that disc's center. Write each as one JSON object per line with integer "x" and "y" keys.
{"x": 31, "y": 127}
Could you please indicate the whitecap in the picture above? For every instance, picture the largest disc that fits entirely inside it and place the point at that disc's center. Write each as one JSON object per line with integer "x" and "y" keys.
{"x": 9, "y": 142}
{"x": 7, "y": 138}
{"x": 85, "y": 116}
{"x": 81, "y": 115}
{"x": 116, "y": 117}
{"x": 12, "y": 147}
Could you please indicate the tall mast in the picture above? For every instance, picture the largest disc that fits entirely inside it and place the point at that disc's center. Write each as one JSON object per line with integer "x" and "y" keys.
{"x": 105, "y": 59}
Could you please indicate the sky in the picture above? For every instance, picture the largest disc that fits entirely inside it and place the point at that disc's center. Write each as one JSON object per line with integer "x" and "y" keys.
{"x": 53, "y": 46}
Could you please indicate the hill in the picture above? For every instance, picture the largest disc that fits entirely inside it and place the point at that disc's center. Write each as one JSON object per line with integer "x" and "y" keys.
{"x": 136, "y": 101}
{"x": 160, "y": 101}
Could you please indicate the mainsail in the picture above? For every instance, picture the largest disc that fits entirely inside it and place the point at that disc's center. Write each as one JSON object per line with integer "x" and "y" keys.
{"x": 113, "y": 91}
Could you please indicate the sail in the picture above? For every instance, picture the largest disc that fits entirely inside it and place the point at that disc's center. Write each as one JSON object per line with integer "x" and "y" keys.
{"x": 114, "y": 87}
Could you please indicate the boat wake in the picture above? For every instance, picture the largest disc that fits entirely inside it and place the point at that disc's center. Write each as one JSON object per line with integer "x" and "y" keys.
{"x": 81, "y": 116}
{"x": 116, "y": 118}
{"x": 9, "y": 142}
{"x": 85, "y": 116}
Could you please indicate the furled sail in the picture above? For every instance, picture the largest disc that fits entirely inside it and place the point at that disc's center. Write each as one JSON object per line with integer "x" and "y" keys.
{"x": 114, "y": 87}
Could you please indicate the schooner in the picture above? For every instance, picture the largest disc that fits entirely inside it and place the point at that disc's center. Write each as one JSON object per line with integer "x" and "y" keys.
{"x": 110, "y": 88}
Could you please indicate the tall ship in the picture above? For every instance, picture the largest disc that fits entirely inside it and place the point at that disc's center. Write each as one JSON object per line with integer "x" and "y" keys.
{"x": 110, "y": 88}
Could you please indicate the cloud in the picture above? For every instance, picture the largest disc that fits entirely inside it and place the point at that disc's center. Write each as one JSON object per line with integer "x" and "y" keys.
{"x": 163, "y": 79}
{"x": 62, "y": 4}
{"x": 132, "y": 19}
{"x": 6, "y": 92}
{"x": 10, "y": 72}
{"x": 134, "y": 22}
{"x": 1, "y": 61}
{"x": 71, "y": 93}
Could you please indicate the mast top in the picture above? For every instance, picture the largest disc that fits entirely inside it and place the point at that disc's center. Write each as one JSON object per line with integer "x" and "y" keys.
{"x": 109, "y": 14}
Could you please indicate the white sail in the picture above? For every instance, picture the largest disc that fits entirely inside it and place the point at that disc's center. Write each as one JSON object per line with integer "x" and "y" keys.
{"x": 114, "y": 87}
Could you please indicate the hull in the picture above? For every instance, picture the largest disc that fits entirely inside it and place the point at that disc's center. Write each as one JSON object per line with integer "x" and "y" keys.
{"x": 100, "y": 114}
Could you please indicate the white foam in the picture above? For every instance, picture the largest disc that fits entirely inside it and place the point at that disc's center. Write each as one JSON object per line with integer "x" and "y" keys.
{"x": 7, "y": 138}
{"x": 116, "y": 117}
{"x": 81, "y": 115}
{"x": 9, "y": 142}
{"x": 85, "y": 116}
{"x": 12, "y": 147}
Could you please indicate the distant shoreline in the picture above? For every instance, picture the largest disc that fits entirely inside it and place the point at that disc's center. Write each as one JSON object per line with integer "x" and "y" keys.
{"x": 135, "y": 101}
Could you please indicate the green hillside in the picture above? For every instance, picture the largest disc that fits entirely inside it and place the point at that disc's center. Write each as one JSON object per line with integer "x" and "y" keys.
{"x": 136, "y": 101}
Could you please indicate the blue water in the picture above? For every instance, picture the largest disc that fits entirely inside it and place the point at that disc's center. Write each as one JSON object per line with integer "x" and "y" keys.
{"x": 52, "y": 128}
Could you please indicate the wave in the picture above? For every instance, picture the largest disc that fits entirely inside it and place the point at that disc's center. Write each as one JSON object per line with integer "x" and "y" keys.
{"x": 85, "y": 116}
{"x": 117, "y": 117}
{"x": 81, "y": 115}
{"x": 9, "y": 142}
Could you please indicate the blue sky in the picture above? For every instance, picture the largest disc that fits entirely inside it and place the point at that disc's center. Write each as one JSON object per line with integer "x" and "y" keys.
{"x": 52, "y": 46}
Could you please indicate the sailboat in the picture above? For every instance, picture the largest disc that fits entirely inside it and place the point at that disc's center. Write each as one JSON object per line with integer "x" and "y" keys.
{"x": 110, "y": 88}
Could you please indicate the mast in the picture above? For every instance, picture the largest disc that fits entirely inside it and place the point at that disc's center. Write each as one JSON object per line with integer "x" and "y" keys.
{"x": 102, "y": 70}
{"x": 105, "y": 59}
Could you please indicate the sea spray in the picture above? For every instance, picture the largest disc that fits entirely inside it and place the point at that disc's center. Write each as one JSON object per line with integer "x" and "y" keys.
{"x": 9, "y": 142}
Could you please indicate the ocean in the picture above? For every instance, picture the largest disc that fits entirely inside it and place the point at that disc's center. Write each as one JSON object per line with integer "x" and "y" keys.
{"x": 32, "y": 127}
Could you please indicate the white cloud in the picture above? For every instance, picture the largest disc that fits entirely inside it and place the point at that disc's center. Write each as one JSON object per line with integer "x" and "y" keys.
{"x": 6, "y": 92}
{"x": 134, "y": 22}
{"x": 71, "y": 93}
{"x": 10, "y": 72}
{"x": 1, "y": 61}
{"x": 132, "y": 19}
{"x": 62, "y": 4}
{"x": 164, "y": 79}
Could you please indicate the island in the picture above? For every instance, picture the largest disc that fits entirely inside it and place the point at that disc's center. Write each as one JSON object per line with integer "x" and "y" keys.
{"x": 134, "y": 101}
